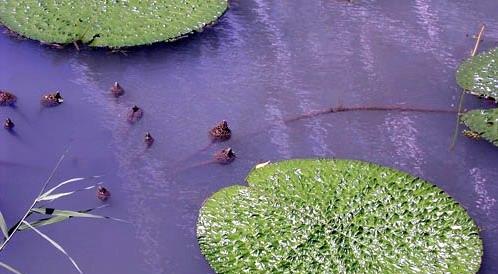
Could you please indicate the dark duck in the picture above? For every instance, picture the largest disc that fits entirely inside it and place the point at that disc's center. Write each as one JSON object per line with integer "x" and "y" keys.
{"x": 8, "y": 124}
{"x": 52, "y": 99}
{"x": 148, "y": 139}
{"x": 7, "y": 98}
{"x": 225, "y": 156}
{"x": 117, "y": 90}
{"x": 135, "y": 114}
{"x": 221, "y": 132}
{"x": 103, "y": 194}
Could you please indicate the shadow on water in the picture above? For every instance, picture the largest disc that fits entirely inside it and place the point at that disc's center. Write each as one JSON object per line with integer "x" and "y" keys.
{"x": 265, "y": 63}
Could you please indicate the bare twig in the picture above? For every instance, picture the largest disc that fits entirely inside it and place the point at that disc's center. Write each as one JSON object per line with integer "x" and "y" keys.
{"x": 478, "y": 41}
{"x": 462, "y": 94}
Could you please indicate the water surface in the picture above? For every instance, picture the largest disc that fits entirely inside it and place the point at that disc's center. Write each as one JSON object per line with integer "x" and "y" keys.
{"x": 265, "y": 62}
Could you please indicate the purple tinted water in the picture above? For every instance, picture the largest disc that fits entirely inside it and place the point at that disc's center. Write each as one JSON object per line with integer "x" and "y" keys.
{"x": 264, "y": 62}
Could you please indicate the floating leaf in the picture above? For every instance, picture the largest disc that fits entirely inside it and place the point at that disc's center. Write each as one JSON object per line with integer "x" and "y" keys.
{"x": 9, "y": 268}
{"x": 479, "y": 74}
{"x": 483, "y": 122}
{"x": 55, "y": 244}
{"x": 336, "y": 216}
{"x": 109, "y": 23}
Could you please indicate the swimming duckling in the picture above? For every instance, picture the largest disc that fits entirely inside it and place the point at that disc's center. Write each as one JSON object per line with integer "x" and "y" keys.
{"x": 117, "y": 90}
{"x": 52, "y": 99}
{"x": 8, "y": 124}
{"x": 103, "y": 194}
{"x": 7, "y": 98}
{"x": 221, "y": 132}
{"x": 225, "y": 156}
{"x": 149, "y": 140}
{"x": 135, "y": 114}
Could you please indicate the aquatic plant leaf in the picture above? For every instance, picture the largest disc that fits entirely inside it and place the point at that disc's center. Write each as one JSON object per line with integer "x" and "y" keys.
{"x": 3, "y": 226}
{"x": 479, "y": 74}
{"x": 52, "y": 197}
{"x": 109, "y": 23}
{"x": 336, "y": 216}
{"x": 55, "y": 244}
{"x": 71, "y": 214}
{"x": 47, "y": 193}
{"x": 9, "y": 268}
{"x": 483, "y": 122}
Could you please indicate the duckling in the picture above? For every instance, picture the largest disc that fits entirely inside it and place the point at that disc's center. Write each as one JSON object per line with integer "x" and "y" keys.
{"x": 225, "y": 156}
{"x": 8, "y": 124}
{"x": 117, "y": 90}
{"x": 149, "y": 140}
{"x": 52, "y": 99}
{"x": 135, "y": 114}
{"x": 7, "y": 98}
{"x": 221, "y": 132}
{"x": 103, "y": 194}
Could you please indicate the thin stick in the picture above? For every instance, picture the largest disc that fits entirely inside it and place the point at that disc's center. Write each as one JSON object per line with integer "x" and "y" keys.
{"x": 35, "y": 201}
{"x": 361, "y": 108}
{"x": 474, "y": 51}
{"x": 462, "y": 94}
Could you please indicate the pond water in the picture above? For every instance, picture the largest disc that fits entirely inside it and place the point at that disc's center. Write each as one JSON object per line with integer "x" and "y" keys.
{"x": 266, "y": 61}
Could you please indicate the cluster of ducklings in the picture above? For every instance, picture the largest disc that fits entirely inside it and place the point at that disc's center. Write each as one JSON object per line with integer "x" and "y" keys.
{"x": 9, "y": 99}
{"x": 219, "y": 133}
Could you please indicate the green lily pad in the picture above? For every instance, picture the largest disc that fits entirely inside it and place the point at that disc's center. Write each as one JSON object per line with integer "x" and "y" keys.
{"x": 479, "y": 74}
{"x": 484, "y": 122}
{"x": 336, "y": 216}
{"x": 109, "y": 23}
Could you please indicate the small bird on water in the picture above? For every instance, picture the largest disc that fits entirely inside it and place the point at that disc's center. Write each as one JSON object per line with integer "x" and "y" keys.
{"x": 52, "y": 99}
{"x": 103, "y": 194}
{"x": 117, "y": 90}
{"x": 135, "y": 114}
{"x": 8, "y": 124}
{"x": 148, "y": 139}
{"x": 221, "y": 132}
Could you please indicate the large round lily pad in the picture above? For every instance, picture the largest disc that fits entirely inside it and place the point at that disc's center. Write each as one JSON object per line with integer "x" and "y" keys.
{"x": 336, "y": 216}
{"x": 110, "y": 23}
{"x": 483, "y": 122}
{"x": 479, "y": 74}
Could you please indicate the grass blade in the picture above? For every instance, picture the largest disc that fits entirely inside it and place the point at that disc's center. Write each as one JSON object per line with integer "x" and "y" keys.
{"x": 54, "y": 219}
{"x": 70, "y": 214}
{"x": 10, "y": 268}
{"x": 53, "y": 197}
{"x": 72, "y": 180}
{"x": 56, "y": 245}
{"x": 3, "y": 226}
